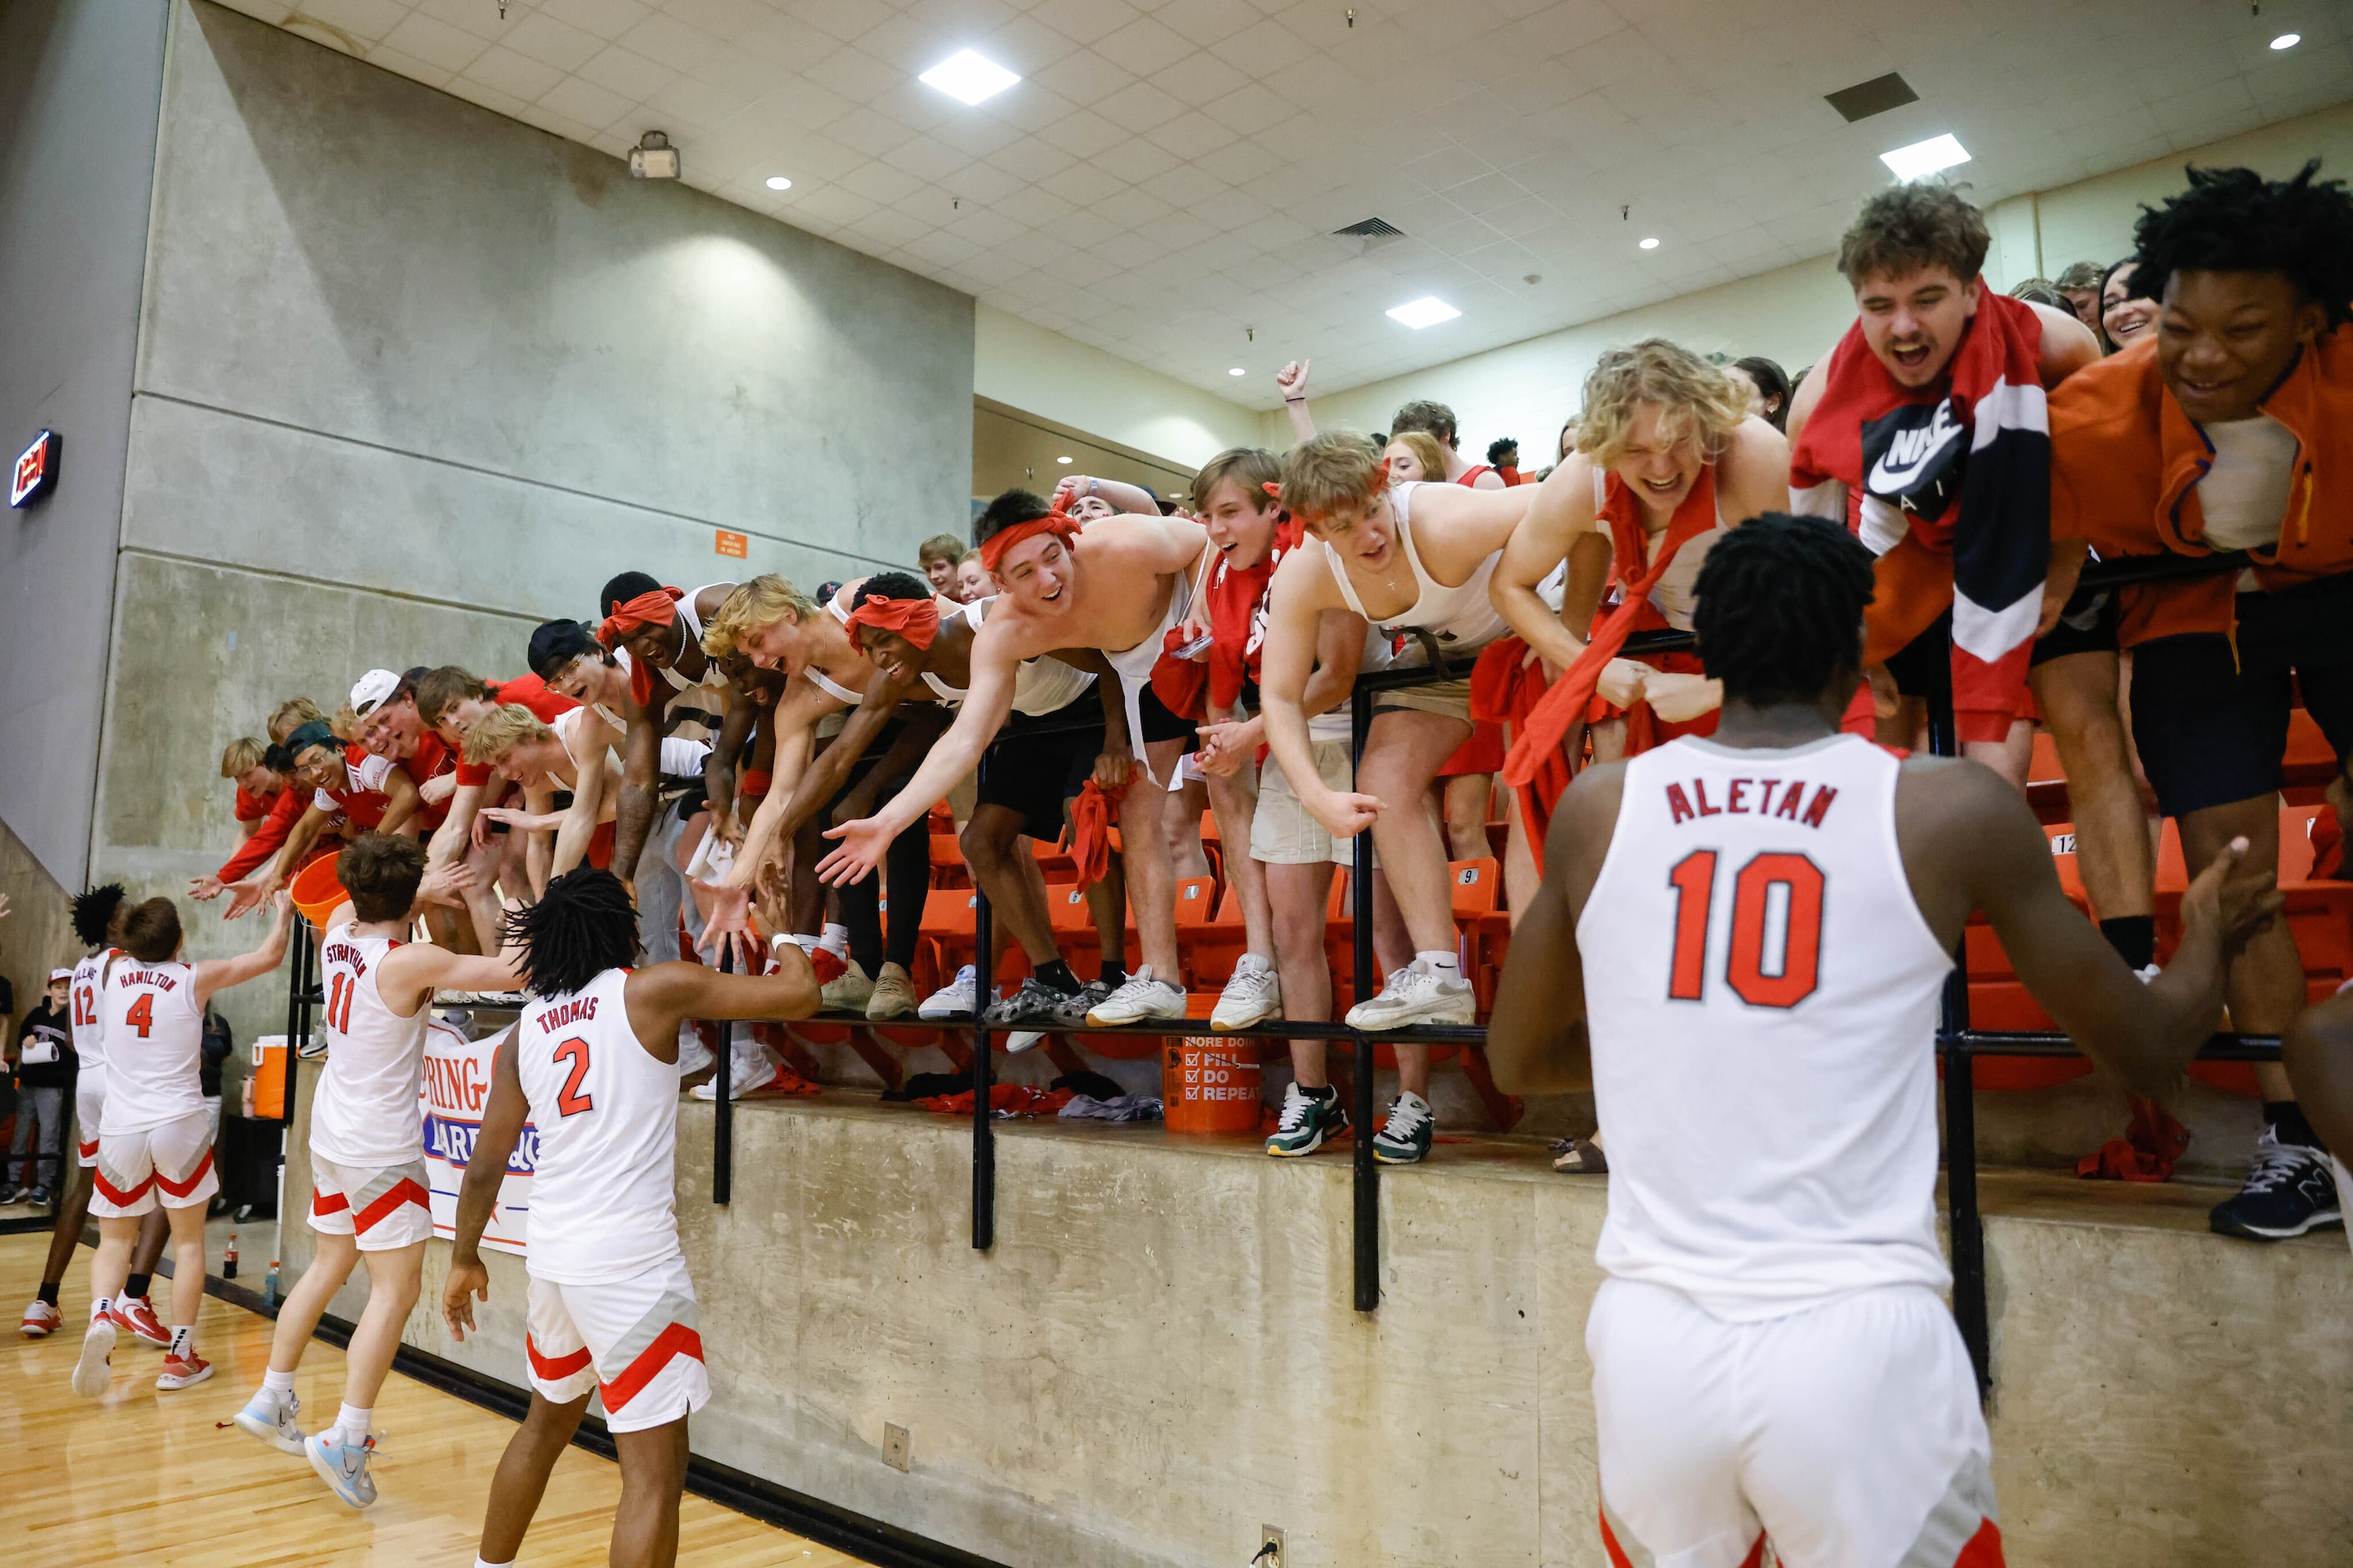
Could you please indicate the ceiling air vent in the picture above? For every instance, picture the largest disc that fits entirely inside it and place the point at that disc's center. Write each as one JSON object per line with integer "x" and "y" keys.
{"x": 1371, "y": 228}
{"x": 1877, "y": 96}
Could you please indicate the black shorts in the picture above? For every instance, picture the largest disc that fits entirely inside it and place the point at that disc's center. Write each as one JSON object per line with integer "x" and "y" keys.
{"x": 1038, "y": 762}
{"x": 1914, "y": 665}
{"x": 2212, "y": 730}
{"x": 1159, "y": 723}
{"x": 859, "y": 771}
{"x": 2087, "y": 623}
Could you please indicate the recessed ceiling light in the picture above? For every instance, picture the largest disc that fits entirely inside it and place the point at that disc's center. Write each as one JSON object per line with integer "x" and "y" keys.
{"x": 778, "y": 182}
{"x": 1238, "y": 371}
{"x": 1651, "y": 244}
{"x": 1426, "y": 311}
{"x": 1922, "y": 159}
{"x": 2287, "y": 41}
{"x": 968, "y": 78}
{"x": 1061, "y": 459}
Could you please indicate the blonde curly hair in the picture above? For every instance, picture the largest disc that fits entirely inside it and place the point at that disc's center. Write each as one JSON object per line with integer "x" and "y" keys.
{"x": 1695, "y": 400}
{"x": 753, "y": 606}
{"x": 500, "y": 731}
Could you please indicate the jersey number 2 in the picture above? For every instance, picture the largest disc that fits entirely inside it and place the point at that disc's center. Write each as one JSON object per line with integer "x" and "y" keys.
{"x": 1800, "y": 967}
{"x": 569, "y": 1100}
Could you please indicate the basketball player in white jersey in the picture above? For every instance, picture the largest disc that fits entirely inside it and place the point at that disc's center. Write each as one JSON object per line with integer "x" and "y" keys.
{"x": 1120, "y": 587}
{"x": 1749, "y": 935}
{"x": 591, "y": 1067}
{"x": 1416, "y": 558}
{"x": 98, "y": 920}
{"x": 155, "y": 1142}
{"x": 369, "y": 1195}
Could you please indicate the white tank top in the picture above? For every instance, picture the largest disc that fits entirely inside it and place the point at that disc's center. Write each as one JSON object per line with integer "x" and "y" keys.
{"x": 604, "y": 1193}
{"x": 365, "y": 1112}
{"x": 713, "y": 675}
{"x": 88, "y": 1028}
{"x": 1762, "y": 992}
{"x": 155, "y": 1044}
{"x": 1040, "y": 685}
{"x": 2243, "y": 496}
{"x": 1462, "y": 619}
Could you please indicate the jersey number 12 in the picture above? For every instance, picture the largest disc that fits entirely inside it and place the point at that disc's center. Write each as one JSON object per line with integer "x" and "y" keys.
{"x": 1800, "y": 967}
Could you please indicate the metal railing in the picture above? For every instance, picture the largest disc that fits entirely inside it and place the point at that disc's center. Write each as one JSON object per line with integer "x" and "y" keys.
{"x": 1957, "y": 1044}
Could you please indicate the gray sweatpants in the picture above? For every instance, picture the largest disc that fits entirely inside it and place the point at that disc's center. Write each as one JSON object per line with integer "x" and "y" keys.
{"x": 44, "y": 1106}
{"x": 662, "y": 894}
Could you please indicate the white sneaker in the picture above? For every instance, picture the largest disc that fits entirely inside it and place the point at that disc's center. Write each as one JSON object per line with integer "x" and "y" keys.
{"x": 1415, "y": 995}
{"x": 956, "y": 999}
{"x": 1141, "y": 998}
{"x": 269, "y": 1415}
{"x": 849, "y": 994}
{"x": 1252, "y": 997}
{"x": 749, "y": 1067}
{"x": 95, "y": 1369}
{"x": 694, "y": 1056}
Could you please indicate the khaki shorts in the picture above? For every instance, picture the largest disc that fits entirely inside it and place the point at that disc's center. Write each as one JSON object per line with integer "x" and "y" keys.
{"x": 1449, "y": 698}
{"x": 1282, "y": 832}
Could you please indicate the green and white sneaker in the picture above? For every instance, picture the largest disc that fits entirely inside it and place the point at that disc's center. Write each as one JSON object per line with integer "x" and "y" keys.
{"x": 1308, "y": 1119}
{"x": 1404, "y": 1139}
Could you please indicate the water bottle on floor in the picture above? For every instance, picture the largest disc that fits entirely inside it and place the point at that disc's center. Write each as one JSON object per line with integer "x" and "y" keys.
{"x": 270, "y": 1287}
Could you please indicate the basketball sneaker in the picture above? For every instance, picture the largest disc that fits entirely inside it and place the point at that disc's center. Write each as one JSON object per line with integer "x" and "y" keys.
{"x": 1143, "y": 996}
{"x": 342, "y": 1466}
{"x": 1404, "y": 1138}
{"x": 848, "y": 993}
{"x": 694, "y": 1056}
{"x": 182, "y": 1371}
{"x": 136, "y": 1314}
{"x": 42, "y": 1320}
{"x": 1254, "y": 995}
{"x": 1416, "y": 994}
{"x": 94, "y": 1370}
{"x": 1308, "y": 1119}
{"x": 749, "y": 1067}
{"x": 269, "y": 1415}
{"x": 893, "y": 995}
{"x": 954, "y": 1000}
{"x": 2289, "y": 1192}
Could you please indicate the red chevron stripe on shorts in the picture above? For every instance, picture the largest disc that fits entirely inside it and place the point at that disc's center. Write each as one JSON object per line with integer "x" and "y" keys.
{"x": 677, "y": 1340}
{"x": 328, "y": 1202}
{"x": 115, "y": 1195}
{"x": 89, "y": 1150}
{"x": 401, "y": 1191}
{"x": 182, "y": 1189}
{"x": 558, "y": 1370}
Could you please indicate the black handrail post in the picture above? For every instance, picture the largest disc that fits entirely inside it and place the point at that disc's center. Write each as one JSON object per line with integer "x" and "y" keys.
{"x": 297, "y": 1023}
{"x": 1960, "y": 1095}
{"x": 984, "y": 1130}
{"x": 723, "y": 1109}
{"x": 1368, "y": 1185}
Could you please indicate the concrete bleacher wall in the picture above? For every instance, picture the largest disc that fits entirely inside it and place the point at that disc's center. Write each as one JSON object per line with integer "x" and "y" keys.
{"x": 1159, "y": 1355}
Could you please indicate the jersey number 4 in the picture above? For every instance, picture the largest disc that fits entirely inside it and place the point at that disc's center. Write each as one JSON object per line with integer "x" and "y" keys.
{"x": 142, "y": 1015}
{"x": 569, "y": 1100}
{"x": 1800, "y": 967}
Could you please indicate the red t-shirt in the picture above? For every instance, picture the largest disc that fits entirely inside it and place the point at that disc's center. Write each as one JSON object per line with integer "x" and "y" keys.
{"x": 284, "y": 812}
{"x": 251, "y": 807}
{"x": 362, "y": 804}
{"x": 529, "y": 691}
{"x": 1238, "y": 617}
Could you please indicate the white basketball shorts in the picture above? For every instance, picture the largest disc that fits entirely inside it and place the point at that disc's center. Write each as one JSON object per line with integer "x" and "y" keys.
{"x": 635, "y": 1339}
{"x": 90, "y": 1115}
{"x": 1847, "y": 1434}
{"x": 171, "y": 1164}
{"x": 386, "y": 1208}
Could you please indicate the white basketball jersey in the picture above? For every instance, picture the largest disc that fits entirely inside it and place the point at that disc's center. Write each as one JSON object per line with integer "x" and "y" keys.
{"x": 1762, "y": 993}
{"x": 155, "y": 1044}
{"x": 88, "y": 1026}
{"x": 603, "y": 1192}
{"x": 365, "y": 1112}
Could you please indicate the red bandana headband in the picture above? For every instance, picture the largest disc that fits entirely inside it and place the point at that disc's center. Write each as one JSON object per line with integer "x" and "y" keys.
{"x": 657, "y": 608}
{"x": 1057, "y": 522}
{"x": 917, "y": 620}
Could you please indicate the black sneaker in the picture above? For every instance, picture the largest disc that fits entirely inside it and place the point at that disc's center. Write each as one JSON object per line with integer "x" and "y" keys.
{"x": 1071, "y": 1011}
{"x": 1033, "y": 1003}
{"x": 2288, "y": 1192}
{"x": 1307, "y": 1120}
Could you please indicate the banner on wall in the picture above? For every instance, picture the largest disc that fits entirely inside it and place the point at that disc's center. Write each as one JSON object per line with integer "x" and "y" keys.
{"x": 456, "y": 1087}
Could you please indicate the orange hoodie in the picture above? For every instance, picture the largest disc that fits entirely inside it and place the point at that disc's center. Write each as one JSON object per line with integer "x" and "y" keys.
{"x": 2126, "y": 463}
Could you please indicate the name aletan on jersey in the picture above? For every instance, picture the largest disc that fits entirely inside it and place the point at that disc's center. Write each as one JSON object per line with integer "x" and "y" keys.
{"x": 1679, "y": 805}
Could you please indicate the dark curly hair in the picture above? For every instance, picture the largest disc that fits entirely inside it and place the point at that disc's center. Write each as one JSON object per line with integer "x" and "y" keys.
{"x": 93, "y": 913}
{"x": 1909, "y": 226}
{"x": 581, "y": 926}
{"x": 2234, "y": 220}
{"x": 890, "y": 585}
{"x": 1780, "y": 604}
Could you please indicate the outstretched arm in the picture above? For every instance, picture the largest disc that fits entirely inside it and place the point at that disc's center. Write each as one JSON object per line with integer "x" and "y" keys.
{"x": 402, "y": 804}
{"x": 477, "y": 1196}
{"x": 214, "y": 976}
{"x": 1294, "y": 617}
{"x": 640, "y": 770}
{"x": 666, "y": 995}
{"x": 987, "y": 703}
{"x": 1292, "y": 381}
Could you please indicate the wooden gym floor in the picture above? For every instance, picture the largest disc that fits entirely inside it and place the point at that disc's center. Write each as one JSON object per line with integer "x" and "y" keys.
{"x": 143, "y": 1476}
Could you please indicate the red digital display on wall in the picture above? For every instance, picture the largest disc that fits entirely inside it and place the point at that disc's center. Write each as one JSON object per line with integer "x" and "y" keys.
{"x": 36, "y": 471}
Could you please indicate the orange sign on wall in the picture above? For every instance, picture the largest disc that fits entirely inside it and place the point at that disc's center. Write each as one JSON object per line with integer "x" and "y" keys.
{"x": 734, "y": 543}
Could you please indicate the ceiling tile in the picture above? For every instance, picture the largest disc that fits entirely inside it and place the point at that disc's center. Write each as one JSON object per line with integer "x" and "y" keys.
{"x": 1135, "y": 161}
{"x": 608, "y": 19}
{"x": 513, "y": 75}
{"x": 438, "y": 44}
{"x": 632, "y": 76}
{"x": 586, "y": 104}
{"x": 1085, "y": 20}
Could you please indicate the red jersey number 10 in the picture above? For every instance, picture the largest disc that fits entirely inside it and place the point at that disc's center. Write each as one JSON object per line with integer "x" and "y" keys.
{"x": 1799, "y": 960}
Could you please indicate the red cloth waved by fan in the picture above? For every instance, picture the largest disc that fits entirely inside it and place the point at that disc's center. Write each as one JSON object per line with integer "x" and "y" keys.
{"x": 1090, "y": 818}
{"x": 2153, "y": 1140}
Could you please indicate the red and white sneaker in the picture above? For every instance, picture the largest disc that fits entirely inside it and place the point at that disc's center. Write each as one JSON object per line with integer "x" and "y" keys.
{"x": 42, "y": 1320}
{"x": 136, "y": 1316}
{"x": 179, "y": 1372}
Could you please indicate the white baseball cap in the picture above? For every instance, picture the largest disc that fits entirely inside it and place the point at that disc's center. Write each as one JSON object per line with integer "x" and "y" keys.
{"x": 370, "y": 691}
{"x": 58, "y": 974}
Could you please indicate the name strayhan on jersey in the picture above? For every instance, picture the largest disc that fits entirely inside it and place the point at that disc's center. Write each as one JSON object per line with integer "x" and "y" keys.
{"x": 1793, "y": 806}
{"x": 345, "y": 953}
{"x": 580, "y": 1009}
{"x": 156, "y": 978}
